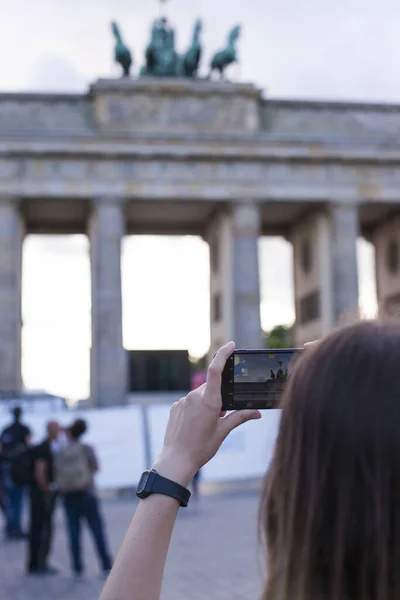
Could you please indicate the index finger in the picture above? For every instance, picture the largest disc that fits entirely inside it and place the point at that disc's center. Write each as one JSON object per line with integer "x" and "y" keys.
{"x": 214, "y": 373}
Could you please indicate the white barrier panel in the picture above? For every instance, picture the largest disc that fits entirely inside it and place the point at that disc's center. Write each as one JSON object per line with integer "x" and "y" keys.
{"x": 158, "y": 419}
{"x": 118, "y": 438}
{"x": 246, "y": 453}
{"x": 115, "y": 433}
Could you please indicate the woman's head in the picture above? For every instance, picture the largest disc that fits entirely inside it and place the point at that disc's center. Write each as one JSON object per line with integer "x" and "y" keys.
{"x": 77, "y": 429}
{"x": 331, "y": 506}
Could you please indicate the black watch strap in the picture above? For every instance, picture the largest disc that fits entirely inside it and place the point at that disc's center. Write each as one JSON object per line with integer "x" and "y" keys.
{"x": 153, "y": 483}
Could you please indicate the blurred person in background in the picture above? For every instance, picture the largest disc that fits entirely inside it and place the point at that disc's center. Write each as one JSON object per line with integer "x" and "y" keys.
{"x": 42, "y": 504}
{"x": 14, "y": 441}
{"x": 76, "y": 465}
{"x": 329, "y": 513}
{"x": 195, "y": 486}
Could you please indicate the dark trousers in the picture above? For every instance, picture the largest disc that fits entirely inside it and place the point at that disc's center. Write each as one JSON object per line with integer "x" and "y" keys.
{"x": 13, "y": 498}
{"x": 3, "y": 507}
{"x": 41, "y": 528}
{"x": 79, "y": 506}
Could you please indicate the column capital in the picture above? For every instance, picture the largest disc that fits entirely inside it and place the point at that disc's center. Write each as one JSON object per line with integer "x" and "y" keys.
{"x": 246, "y": 201}
{"x": 345, "y": 217}
{"x": 12, "y": 199}
{"x": 344, "y": 203}
{"x": 247, "y": 220}
{"x": 107, "y": 214}
{"x": 109, "y": 200}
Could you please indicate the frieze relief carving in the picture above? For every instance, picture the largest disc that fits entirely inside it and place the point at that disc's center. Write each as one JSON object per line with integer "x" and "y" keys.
{"x": 155, "y": 105}
{"x": 197, "y": 172}
{"x": 142, "y": 113}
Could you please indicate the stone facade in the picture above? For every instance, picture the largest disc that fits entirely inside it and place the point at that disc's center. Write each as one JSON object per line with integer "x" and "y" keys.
{"x": 326, "y": 275}
{"x": 313, "y": 277}
{"x": 162, "y": 106}
{"x": 205, "y": 158}
{"x": 48, "y": 113}
{"x": 336, "y": 121}
{"x": 386, "y": 239}
{"x": 292, "y": 120}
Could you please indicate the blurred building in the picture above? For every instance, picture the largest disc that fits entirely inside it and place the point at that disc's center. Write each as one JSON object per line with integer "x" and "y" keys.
{"x": 31, "y": 402}
{"x": 214, "y": 159}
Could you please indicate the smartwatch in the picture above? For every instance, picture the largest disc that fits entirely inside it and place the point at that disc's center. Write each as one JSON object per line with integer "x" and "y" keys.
{"x": 153, "y": 483}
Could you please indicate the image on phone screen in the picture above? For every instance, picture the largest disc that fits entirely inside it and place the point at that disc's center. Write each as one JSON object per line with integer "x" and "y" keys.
{"x": 261, "y": 377}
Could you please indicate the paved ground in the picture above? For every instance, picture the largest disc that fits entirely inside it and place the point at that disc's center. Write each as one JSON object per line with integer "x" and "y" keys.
{"x": 214, "y": 555}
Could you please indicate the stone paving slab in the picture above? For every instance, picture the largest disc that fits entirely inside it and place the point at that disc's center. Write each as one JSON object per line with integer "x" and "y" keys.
{"x": 214, "y": 555}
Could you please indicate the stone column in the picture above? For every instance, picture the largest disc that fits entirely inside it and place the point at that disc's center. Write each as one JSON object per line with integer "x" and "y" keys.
{"x": 325, "y": 271}
{"x": 11, "y": 241}
{"x": 108, "y": 357}
{"x": 246, "y": 225}
{"x": 345, "y": 231}
{"x": 234, "y": 277}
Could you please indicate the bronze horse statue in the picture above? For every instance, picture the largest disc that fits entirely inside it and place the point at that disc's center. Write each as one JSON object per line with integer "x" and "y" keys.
{"x": 190, "y": 61}
{"x": 122, "y": 54}
{"x": 228, "y": 55}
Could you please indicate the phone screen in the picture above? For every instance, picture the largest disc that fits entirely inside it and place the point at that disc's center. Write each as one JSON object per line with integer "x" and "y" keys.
{"x": 259, "y": 378}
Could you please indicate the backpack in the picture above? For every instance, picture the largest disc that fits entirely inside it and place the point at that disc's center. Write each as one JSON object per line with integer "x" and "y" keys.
{"x": 72, "y": 469}
{"x": 21, "y": 469}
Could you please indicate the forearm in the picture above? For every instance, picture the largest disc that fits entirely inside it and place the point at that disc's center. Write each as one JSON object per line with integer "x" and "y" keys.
{"x": 194, "y": 433}
{"x": 43, "y": 486}
{"x": 41, "y": 477}
{"x": 139, "y": 567}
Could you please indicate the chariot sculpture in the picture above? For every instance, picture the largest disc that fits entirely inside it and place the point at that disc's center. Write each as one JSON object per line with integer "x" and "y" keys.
{"x": 163, "y": 60}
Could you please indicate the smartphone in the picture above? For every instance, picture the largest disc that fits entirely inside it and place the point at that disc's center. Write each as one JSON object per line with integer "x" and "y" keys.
{"x": 256, "y": 378}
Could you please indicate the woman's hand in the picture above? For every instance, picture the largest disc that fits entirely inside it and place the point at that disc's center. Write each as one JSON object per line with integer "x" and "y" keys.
{"x": 196, "y": 428}
{"x": 195, "y": 431}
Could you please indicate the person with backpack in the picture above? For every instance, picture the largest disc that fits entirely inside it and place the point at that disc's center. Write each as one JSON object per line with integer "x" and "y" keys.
{"x": 42, "y": 503}
{"x": 15, "y": 443}
{"x": 75, "y": 467}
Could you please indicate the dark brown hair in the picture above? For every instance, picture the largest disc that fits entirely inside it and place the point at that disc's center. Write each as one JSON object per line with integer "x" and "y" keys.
{"x": 78, "y": 428}
{"x": 330, "y": 510}
{"x": 17, "y": 413}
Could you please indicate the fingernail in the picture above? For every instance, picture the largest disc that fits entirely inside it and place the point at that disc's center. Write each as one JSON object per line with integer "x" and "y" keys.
{"x": 257, "y": 414}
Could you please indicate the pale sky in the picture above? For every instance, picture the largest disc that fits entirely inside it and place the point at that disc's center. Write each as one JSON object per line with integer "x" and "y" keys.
{"x": 290, "y": 48}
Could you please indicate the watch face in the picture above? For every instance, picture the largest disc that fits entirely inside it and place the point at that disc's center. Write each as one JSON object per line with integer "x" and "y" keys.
{"x": 142, "y": 483}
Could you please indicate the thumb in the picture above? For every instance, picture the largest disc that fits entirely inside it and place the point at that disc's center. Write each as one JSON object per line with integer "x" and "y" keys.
{"x": 237, "y": 418}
